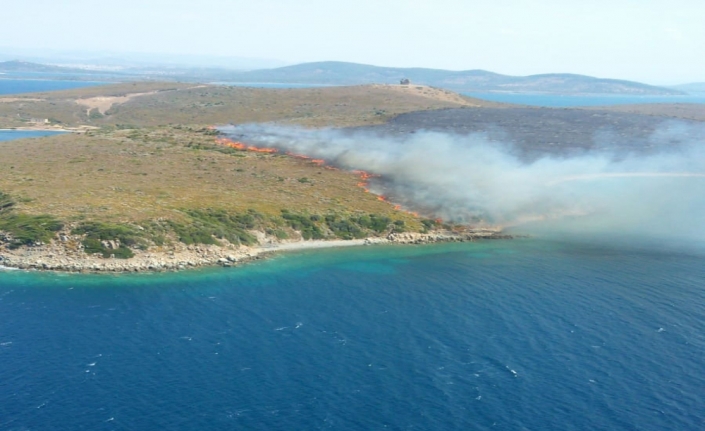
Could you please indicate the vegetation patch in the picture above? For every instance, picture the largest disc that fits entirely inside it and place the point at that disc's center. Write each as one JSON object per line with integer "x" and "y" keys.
{"x": 208, "y": 225}
{"x": 6, "y": 202}
{"x": 110, "y": 239}
{"x": 306, "y": 224}
{"x": 23, "y": 229}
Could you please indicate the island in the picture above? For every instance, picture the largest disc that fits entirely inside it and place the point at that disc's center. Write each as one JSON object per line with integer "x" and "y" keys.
{"x": 144, "y": 182}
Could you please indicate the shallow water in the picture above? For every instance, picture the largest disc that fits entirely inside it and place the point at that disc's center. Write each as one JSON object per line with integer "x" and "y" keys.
{"x": 523, "y": 334}
{"x": 19, "y": 86}
{"x": 9, "y": 135}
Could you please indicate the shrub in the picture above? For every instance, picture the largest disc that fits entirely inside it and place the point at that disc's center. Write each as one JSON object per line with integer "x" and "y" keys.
{"x": 97, "y": 232}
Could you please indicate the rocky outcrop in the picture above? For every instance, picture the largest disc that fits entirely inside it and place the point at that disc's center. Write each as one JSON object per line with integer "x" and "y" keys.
{"x": 58, "y": 257}
{"x": 67, "y": 254}
{"x": 446, "y": 236}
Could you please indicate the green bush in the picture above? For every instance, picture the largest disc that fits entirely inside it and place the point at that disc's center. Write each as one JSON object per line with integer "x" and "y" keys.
{"x": 29, "y": 229}
{"x": 342, "y": 228}
{"x": 206, "y": 226}
{"x": 6, "y": 202}
{"x": 96, "y": 232}
{"x": 305, "y": 224}
{"x": 375, "y": 222}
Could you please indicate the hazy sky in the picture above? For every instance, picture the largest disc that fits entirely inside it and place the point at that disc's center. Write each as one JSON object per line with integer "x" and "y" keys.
{"x": 654, "y": 41}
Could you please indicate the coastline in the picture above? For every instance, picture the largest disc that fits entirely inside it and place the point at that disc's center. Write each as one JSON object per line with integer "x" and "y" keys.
{"x": 58, "y": 256}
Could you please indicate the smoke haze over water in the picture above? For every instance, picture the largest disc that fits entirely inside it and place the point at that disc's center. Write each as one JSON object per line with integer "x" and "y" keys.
{"x": 470, "y": 179}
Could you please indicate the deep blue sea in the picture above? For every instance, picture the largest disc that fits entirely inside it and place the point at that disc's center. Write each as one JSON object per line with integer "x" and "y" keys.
{"x": 559, "y": 100}
{"x": 18, "y": 86}
{"x": 526, "y": 334}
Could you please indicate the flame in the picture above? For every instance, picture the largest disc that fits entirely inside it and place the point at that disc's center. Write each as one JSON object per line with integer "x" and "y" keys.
{"x": 240, "y": 146}
{"x": 363, "y": 175}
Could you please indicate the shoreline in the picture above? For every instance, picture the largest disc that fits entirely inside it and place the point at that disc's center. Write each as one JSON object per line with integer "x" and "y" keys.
{"x": 56, "y": 256}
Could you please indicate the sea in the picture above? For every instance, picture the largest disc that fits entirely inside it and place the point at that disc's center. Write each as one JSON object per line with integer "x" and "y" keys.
{"x": 19, "y": 86}
{"x": 523, "y": 334}
{"x": 538, "y": 333}
{"x": 576, "y": 100}
{"x": 9, "y": 135}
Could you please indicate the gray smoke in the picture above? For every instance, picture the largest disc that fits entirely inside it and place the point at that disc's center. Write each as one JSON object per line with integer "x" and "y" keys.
{"x": 469, "y": 179}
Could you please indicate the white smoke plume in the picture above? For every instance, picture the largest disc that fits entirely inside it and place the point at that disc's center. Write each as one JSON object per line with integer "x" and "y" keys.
{"x": 469, "y": 179}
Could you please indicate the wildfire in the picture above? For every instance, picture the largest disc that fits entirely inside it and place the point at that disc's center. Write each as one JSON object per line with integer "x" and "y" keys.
{"x": 240, "y": 146}
{"x": 363, "y": 175}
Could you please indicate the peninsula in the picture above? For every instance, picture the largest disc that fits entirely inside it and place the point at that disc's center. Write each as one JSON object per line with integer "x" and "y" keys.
{"x": 144, "y": 182}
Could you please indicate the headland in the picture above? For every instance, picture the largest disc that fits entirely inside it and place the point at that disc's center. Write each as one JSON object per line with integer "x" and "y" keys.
{"x": 145, "y": 183}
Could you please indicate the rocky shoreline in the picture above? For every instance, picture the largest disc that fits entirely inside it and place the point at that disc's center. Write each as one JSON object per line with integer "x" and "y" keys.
{"x": 62, "y": 255}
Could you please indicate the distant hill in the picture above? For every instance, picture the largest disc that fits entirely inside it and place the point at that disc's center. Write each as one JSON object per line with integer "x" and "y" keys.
{"x": 341, "y": 73}
{"x": 25, "y": 66}
{"x": 694, "y": 87}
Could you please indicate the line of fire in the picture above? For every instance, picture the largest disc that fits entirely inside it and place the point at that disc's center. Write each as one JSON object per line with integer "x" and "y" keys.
{"x": 364, "y": 176}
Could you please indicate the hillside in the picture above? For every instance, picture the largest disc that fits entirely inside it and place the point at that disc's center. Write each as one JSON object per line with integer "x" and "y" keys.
{"x": 341, "y": 73}
{"x": 154, "y": 104}
{"x": 149, "y": 185}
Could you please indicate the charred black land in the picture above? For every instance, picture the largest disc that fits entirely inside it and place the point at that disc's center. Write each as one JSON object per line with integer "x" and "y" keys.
{"x": 537, "y": 131}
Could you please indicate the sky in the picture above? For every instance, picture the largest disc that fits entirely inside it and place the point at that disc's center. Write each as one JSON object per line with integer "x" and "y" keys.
{"x": 659, "y": 42}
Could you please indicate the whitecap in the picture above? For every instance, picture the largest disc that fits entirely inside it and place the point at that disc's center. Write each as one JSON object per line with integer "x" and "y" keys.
{"x": 281, "y": 329}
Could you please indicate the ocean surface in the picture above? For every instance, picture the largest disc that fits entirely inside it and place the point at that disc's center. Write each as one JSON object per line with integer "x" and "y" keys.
{"x": 9, "y": 135}
{"x": 525, "y": 334}
{"x": 18, "y": 86}
{"x": 558, "y": 100}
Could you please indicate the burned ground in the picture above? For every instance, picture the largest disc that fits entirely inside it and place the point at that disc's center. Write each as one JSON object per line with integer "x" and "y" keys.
{"x": 536, "y": 131}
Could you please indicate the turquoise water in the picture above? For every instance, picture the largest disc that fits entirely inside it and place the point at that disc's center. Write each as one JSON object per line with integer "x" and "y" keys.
{"x": 558, "y": 100}
{"x": 9, "y": 135}
{"x": 19, "y": 86}
{"x": 514, "y": 335}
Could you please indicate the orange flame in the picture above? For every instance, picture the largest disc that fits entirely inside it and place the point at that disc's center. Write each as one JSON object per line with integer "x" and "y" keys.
{"x": 240, "y": 146}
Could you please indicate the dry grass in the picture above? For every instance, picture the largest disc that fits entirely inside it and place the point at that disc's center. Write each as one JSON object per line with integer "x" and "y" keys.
{"x": 146, "y": 174}
{"x": 172, "y": 103}
{"x": 143, "y": 164}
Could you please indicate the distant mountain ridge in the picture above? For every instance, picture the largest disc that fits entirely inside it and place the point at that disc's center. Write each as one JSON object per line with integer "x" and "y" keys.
{"x": 693, "y": 87}
{"x": 342, "y": 73}
{"x": 25, "y": 66}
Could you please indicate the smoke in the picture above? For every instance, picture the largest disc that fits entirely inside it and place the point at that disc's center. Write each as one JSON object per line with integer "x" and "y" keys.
{"x": 468, "y": 179}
